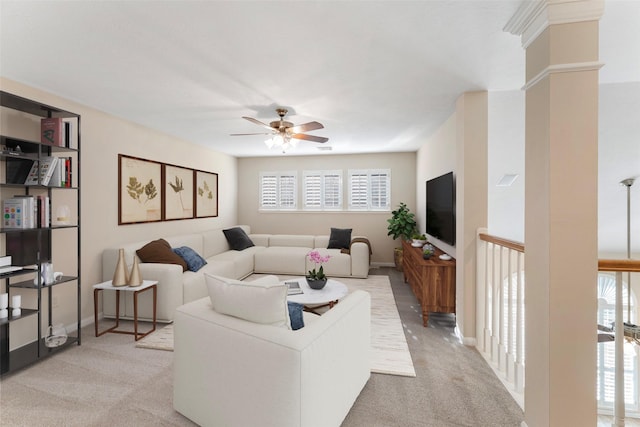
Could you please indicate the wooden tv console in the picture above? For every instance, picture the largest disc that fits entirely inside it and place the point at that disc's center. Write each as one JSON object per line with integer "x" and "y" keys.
{"x": 433, "y": 281}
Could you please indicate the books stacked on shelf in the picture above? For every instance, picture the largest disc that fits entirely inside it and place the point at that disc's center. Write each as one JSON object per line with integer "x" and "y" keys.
{"x": 56, "y": 131}
{"x": 41, "y": 171}
{"x": 52, "y": 171}
{"x": 65, "y": 172}
{"x": 26, "y": 211}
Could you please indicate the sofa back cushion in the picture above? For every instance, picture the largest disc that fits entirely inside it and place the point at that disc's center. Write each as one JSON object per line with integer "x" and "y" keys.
{"x": 321, "y": 242}
{"x": 193, "y": 241}
{"x": 255, "y": 302}
{"x": 215, "y": 242}
{"x": 300, "y": 241}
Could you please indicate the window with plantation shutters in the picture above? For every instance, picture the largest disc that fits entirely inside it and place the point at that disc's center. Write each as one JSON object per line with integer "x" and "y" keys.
{"x": 606, "y": 359}
{"x": 278, "y": 190}
{"x": 322, "y": 190}
{"x": 369, "y": 189}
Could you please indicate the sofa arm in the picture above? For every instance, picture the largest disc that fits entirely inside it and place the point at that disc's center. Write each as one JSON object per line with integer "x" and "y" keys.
{"x": 360, "y": 260}
{"x": 308, "y": 377}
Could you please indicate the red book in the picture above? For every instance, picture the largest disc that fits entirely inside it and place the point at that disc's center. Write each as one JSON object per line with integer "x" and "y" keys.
{"x": 67, "y": 170}
{"x": 51, "y": 131}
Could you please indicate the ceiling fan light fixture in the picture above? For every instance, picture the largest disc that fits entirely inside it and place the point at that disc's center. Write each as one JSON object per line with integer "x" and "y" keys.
{"x": 285, "y": 135}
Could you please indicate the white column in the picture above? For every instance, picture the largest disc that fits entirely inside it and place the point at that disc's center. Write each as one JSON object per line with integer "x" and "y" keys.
{"x": 561, "y": 144}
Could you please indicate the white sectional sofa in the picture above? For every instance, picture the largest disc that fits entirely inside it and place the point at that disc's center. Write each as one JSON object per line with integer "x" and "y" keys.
{"x": 234, "y": 373}
{"x": 272, "y": 254}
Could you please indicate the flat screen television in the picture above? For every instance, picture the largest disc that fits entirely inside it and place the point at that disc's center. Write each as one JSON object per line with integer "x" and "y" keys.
{"x": 441, "y": 208}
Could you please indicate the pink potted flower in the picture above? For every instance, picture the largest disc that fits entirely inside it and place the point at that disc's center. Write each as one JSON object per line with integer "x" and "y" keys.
{"x": 317, "y": 279}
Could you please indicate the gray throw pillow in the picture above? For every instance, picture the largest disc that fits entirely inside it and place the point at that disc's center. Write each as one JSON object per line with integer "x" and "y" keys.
{"x": 237, "y": 238}
{"x": 340, "y": 238}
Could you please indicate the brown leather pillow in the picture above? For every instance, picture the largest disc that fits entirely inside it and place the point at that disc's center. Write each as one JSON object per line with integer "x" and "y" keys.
{"x": 159, "y": 251}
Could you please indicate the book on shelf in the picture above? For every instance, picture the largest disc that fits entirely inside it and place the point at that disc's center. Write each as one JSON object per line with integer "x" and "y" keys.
{"x": 17, "y": 212}
{"x": 293, "y": 288}
{"x": 41, "y": 171}
{"x": 69, "y": 133}
{"x": 67, "y": 179}
{"x": 51, "y": 131}
{"x": 29, "y": 209}
{"x": 42, "y": 212}
{"x": 58, "y": 173}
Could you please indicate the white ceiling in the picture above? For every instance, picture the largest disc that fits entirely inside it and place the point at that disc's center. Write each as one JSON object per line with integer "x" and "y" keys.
{"x": 381, "y": 76}
{"x": 378, "y": 75}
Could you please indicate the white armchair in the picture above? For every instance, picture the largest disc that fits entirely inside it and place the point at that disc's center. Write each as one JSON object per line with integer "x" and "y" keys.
{"x": 232, "y": 372}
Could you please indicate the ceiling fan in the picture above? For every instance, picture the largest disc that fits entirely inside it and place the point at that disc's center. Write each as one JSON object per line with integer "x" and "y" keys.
{"x": 284, "y": 133}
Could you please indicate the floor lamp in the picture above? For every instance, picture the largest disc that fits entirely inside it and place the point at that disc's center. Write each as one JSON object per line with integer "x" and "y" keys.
{"x": 621, "y": 330}
{"x": 628, "y": 183}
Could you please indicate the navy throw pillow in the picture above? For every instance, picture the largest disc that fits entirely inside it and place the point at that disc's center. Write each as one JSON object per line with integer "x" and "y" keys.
{"x": 340, "y": 238}
{"x": 295, "y": 314}
{"x": 194, "y": 261}
{"x": 237, "y": 238}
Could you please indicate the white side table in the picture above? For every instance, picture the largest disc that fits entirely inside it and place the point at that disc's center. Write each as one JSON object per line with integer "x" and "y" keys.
{"x": 107, "y": 286}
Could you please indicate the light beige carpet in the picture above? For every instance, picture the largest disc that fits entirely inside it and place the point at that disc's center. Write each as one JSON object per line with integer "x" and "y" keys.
{"x": 390, "y": 352}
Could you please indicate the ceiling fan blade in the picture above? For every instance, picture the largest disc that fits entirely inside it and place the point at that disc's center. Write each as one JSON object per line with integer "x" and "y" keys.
{"x": 309, "y": 137}
{"x": 306, "y": 127}
{"x": 244, "y": 134}
{"x": 258, "y": 122}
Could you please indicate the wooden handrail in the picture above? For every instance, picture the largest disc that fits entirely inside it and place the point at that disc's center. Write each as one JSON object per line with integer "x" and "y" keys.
{"x": 516, "y": 246}
{"x": 631, "y": 265}
{"x": 603, "y": 264}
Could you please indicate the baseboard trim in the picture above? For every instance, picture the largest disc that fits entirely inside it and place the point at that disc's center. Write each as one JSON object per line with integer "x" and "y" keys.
{"x": 382, "y": 264}
{"x": 471, "y": 341}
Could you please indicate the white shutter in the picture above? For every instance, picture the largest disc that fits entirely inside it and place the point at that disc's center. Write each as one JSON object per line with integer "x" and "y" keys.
{"x": 287, "y": 191}
{"x": 312, "y": 190}
{"x": 278, "y": 190}
{"x": 332, "y": 190}
{"x": 268, "y": 191}
{"x": 322, "y": 190}
{"x": 369, "y": 189}
{"x": 358, "y": 192}
{"x": 379, "y": 181}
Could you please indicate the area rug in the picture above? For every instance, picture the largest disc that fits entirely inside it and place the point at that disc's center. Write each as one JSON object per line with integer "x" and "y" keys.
{"x": 390, "y": 351}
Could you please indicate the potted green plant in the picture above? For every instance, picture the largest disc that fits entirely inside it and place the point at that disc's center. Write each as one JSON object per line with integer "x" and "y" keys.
{"x": 418, "y": 240}
{"x": 402, "y": 224}
{"x": 427, "y": 253}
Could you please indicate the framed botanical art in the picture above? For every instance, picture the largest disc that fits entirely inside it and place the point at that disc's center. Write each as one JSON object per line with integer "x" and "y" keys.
{"x": 206, "y": 194}
{"x": 178, "y": 188}
{"x": 139, "y": 190}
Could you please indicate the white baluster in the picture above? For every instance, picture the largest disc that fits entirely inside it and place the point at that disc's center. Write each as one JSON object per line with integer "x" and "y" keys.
{"x": 520, "y": 326}
{"x": 618, "y": 408}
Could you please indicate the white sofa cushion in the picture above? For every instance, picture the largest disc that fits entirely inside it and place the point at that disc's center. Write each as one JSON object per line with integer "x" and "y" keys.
{"x": 281, "y": 260}
{"x": 339, "y": 264}
{"x": 261, "y": 301}
{"x": 300, "y": 241}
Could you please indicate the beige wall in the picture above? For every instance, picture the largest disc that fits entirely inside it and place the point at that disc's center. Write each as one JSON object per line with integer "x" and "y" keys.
{"x": 370, "y": 224}
{"x": 103, "y": 138}
{"x": 460, "y": 145}
{"x": 436, "y": 157}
